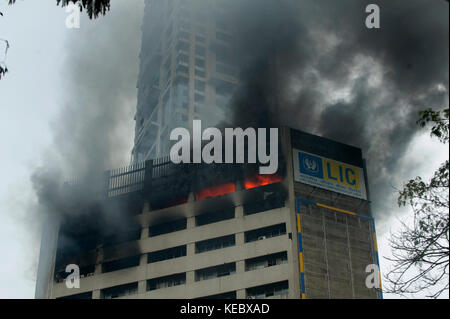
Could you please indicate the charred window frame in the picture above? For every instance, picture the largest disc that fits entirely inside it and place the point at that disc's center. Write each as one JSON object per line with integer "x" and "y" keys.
{"x": 120, "y": 264}
{"x": 166, "y": 228}
{"x": 273, "y": 201}
{"x": 215, "y": 217}
{"x": 86, "y": 295}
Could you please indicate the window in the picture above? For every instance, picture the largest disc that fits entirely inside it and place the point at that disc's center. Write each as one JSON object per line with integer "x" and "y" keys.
{"x": 200, "y": 85}
{"x": 166, "y": 228}
{"x": 166, "y": 254}
{"x": 121, "y": 264}
{"x": 210, "y": 218}
{"x": 273, "y": 201}
{"x": 199, "y": 98}
{"x": 225, "y": 295}
{"x": 182, "y": 69}
{"x": 183, "y": 46}
{"x": 215, "y": 243}
{"x": 200, "y": 39}
{"x": 120, "y": 291}
{"x": 86, "y": 295}
{"x": 215, "y": 272}
{"x": 200, "y": 50}
{"x": 199, "y": 73}
{"x": 183, "y": 59}
{"x": 183, "y": 35}
{"x": 167, "y": 281}
{"x": 266, "y": 261}
{"x": 264, "y": 233}
{"x": 85, "y": 271}
{"x": 275, "y": 289}
{"x": 199, "y": 62}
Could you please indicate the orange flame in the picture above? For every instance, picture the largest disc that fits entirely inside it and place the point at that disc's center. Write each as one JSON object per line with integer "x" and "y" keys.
{"x": 215, "y": 191}
{"x": 261, "y": 180}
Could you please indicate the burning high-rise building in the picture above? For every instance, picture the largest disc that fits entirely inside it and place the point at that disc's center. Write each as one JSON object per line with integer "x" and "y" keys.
{"x": 161, "y": 230}
{"x": 223, "y": 230}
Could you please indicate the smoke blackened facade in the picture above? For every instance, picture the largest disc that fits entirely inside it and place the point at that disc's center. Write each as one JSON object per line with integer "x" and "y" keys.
{"x": 219, "y": 231}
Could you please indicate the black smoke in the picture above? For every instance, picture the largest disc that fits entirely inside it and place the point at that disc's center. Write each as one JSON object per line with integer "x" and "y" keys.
{"x": 313, "y": 65}
{"x": 92, "y": 132}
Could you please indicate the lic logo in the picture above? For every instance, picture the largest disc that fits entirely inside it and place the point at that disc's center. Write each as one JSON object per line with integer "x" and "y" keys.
{"x": 310, "y": 165}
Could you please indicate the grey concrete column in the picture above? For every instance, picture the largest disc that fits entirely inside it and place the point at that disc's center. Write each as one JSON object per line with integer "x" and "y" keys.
{"x": 142, "y": 287}
{"x": 240, "y": 239}
{"x": 96, "y": 294}
{"x": 190, "y": 249}
{"x": 146, "y": 207}
{"x": 190, "y": 277}
{"x": 143, "y": 260}
{"x": 240, "y": 266}
{"x": 98, "y": 269}
{"x": 190, "y": 222}
{"x": 239, "y": 211}
{"x": 144, "y": 233}
{"x": 240, "y": 294}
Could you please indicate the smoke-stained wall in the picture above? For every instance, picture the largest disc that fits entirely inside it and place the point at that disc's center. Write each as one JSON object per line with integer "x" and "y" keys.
{"x": 93, "y": 131}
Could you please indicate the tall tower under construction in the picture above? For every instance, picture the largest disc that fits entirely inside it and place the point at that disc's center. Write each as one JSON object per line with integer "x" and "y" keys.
{"x": 187, "y": 70}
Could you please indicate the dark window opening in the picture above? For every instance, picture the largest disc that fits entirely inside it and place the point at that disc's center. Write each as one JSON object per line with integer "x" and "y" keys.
{"x": 166, "y": 228}
{"x": 215, "y": 243}
{"x": 270, "y": 290}
{"x": 120, "y": 291}
{"x": 167, "y": 281}
{"x": 210, "y": 218}
{"x": 266, "y": 261}
{"x": 225, "y": 295}
{"x": 86, "y": 295}
{"x": 215, "y": 272}
{"x": 264, "y": 233}
{"x": 272, "y": 202}
{"x": 121, "y": 264}
{"x": 166, "y": 254}
{"x": 85, "y": 271}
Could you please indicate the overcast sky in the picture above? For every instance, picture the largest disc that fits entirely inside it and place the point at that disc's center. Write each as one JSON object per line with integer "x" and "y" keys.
{"x": 32, "y": 96}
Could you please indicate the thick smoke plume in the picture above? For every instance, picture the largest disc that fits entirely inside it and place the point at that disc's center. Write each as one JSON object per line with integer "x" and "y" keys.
{"x": 93, "y": 131}
{"x": 313, "y": 65}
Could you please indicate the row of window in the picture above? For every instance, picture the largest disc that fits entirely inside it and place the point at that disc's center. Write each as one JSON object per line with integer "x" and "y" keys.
{"x": 204, "y": 246}
{"x": 259, "y": 292}
{"x": 200, "y": 246}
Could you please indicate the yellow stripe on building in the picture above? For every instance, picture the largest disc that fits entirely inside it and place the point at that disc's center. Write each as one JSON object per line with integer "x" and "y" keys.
{"x": 300, "y": 256}
{"x": 337, "y": 209}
